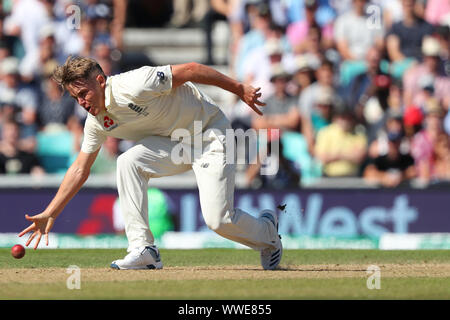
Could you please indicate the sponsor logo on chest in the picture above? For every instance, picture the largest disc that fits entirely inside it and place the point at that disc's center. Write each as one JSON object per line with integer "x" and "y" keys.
{"x": 139, "y": 110}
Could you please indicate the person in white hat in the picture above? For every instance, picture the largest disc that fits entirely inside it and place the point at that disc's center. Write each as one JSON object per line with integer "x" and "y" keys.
{"x": 281, "y": 109}
{"x": 430, "y": 71}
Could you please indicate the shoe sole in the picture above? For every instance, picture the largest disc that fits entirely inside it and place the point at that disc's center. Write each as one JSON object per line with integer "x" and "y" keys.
{"x": 275, "y": 258}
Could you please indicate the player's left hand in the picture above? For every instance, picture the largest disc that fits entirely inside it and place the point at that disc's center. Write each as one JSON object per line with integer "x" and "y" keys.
{"x": 251, "y": 97}
{"x": 41, "y": 225}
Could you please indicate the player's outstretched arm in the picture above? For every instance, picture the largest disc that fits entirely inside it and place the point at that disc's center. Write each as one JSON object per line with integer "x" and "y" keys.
{"x": 200, "y": 73}
{"x": 76, "y": 176}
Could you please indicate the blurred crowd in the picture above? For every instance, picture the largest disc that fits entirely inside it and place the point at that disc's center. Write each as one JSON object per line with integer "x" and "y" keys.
{"x": 40, "y": 127}
{"x": 358, "y": 88}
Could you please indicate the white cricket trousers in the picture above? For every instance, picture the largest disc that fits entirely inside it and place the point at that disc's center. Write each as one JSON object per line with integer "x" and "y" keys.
{"x": 151, "y": 158}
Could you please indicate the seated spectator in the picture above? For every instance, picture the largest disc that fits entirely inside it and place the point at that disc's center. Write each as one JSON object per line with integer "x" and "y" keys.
{"x": 13, "y": 160}
{"x": 242, "y": 12}
{"x": 392, "y": 130}
{"x": 324, "y": 76}
{"x": 318, "y": 118}
{"x": 321, "y": 114}
{"x": 303, "y": 77}
{"x": 281, "y": 109}
{"x": 102, "y": 52}
{"x": 47, "y": 54}
{"x": 371, "y": 84}
{"x": 395, "y": 97}
{"x": 254, "y": 38}
{"x": 281, "y": 113}
{"x": 392, "y": 168}
{"x": 81, "y": 42}
{"x": 117, "y": 24}
{"x": 338, "y": 147}
{"x": 428, "y": 77}
{"x": 55, "y": 107}
{"x": 100, "y": 17}
{"x": 297, "y": 32}
{"x": 257, "y": 72}
{"x": 369, "y": 94}
{"x": 424, "y": 143}
{"x": 313, "y": 115}
{"x": 258, "y": 43}
{"x": 241, "y": 15}
{"x": 15, "y": 93}
{"x": 404, "y": 40}
{"x": 313, "y": 44}
{"x": 354, "y": 37}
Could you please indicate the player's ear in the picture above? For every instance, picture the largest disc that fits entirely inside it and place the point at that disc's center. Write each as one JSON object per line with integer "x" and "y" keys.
{"x": 101, "y": 80}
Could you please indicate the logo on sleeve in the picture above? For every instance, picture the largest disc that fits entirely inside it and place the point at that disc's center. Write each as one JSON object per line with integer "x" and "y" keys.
{"x": 161, "y": 76}
{"x": 109, "y": 123}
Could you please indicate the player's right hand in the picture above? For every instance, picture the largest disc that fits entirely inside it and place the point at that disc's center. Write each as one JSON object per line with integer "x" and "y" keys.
{"x": 251, "y": 97}
{"x": 41, "y": 225}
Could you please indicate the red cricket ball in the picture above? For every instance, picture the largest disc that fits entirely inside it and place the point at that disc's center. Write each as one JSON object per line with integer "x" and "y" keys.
{"x": 18, "y": 251}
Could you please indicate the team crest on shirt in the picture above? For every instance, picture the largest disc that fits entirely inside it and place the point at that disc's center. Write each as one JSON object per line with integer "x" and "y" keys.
{"x": 139, "y": 110}
{"x": 109, "y": 123}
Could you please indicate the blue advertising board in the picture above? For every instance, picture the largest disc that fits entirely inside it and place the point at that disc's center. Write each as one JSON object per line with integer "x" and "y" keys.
{"x": 345, "y": 213}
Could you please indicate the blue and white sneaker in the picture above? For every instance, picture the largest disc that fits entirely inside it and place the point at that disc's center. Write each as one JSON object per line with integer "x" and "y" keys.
{"x": 141, "y": 258}
{"x": 271, "y": 256}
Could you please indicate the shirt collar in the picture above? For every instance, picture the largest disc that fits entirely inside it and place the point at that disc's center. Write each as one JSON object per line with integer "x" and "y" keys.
{"x": 108, "y": 93}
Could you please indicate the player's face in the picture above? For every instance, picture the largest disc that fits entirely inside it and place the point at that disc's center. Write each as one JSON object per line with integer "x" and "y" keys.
{"x": 89, "y": 93}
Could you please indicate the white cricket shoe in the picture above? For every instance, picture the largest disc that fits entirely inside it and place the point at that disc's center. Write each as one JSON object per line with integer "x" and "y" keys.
{"x": 141, "y": 258}
{"x": 271, "y": 256}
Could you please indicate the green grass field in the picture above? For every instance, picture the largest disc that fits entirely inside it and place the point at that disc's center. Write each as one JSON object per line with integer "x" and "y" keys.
{"x": 228, "y": 274}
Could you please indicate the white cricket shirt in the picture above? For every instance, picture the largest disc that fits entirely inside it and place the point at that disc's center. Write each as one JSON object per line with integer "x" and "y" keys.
{"x": 141, "y": 103}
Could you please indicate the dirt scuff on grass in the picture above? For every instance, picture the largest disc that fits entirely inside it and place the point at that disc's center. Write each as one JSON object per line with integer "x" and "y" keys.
{"x": 51, "y": 275}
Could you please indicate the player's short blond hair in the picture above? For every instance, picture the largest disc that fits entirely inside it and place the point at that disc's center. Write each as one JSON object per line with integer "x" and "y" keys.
{"x": 76, "y": 68}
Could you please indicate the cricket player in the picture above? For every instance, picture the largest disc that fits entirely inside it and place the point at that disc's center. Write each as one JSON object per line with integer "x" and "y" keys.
{"x": 148, "y": 105}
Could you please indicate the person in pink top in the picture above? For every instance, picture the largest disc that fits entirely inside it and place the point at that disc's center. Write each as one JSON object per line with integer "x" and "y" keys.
{"x": 297, "y": 32}
{"x": 436, "y": 10}
{"x": 428, "y": 74}
{"x": 424, "y": 143}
